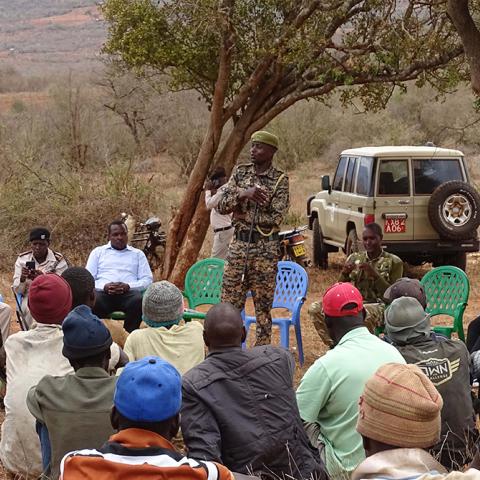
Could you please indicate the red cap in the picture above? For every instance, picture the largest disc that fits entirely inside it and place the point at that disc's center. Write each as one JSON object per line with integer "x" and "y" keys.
{"x": 339, "y": 295}
{"x": 49, "y": 299}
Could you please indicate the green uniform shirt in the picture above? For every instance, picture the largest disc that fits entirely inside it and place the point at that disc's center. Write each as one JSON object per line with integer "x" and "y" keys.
{"x": 269, "y": 216}
{"x": 330, "y": 390}
{"x": 389, "y": 268}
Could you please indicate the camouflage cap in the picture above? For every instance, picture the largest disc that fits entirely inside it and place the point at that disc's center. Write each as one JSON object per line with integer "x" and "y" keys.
{"x": 263, "y": 136}
{"x": 406, "y": 287}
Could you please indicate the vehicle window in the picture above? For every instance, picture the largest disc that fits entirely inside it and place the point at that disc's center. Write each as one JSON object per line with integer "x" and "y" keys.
{"x": 350, "y": 176}
{"x": 429, "y": 174}
{"x": 364, "y": 177}
{"x": 393, "y": 178}
{"x": 339, "y": 174}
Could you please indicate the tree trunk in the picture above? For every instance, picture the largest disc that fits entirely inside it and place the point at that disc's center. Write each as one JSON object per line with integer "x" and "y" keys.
{"x": 192, "y": 244}
{"x": 197, "y": 229}
{"x": 186, "y": 218}
{"x": 183, "y": 218}
{"x": 467, "y": 30}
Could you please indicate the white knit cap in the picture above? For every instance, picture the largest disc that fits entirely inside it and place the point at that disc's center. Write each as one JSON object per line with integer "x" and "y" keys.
{"x": 162, "y": 303}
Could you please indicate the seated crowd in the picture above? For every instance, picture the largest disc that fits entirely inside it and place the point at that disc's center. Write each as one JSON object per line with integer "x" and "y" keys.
{"x": 78, "y": 406}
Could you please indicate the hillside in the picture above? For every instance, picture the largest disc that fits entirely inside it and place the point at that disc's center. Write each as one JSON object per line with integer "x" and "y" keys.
{"x": 50, "y": 36}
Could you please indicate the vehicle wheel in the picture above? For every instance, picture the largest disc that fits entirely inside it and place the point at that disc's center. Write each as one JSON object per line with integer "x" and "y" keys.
{"x": 352, "y": 244}
{"x": 454, "y": 210}
{"x": 320, "y": 253}
{"x": 458, "y": 259}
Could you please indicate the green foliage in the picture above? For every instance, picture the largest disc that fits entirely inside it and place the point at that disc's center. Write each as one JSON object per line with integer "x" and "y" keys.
{"x": 309, "y": 45}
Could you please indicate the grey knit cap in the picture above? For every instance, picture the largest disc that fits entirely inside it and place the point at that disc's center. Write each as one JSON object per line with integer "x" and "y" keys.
{"x": 405, "y": 319}
{"x": 162, "y": 304}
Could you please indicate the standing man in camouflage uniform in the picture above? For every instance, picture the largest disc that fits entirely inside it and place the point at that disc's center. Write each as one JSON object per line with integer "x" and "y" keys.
{"x": 43, "y": 259}
{"x": 372, "y": 272}
{"x": 257, "y": 194}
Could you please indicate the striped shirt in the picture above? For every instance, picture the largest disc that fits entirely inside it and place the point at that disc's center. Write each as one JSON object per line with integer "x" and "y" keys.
{"x": 135, "y": 453}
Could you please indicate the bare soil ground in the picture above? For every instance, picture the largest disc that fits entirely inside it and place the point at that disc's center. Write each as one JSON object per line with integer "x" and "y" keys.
{"x": 302, "y": 184}
{"x": 319, "y": 282}
{"x": 58, "y": 41}
{"x": 30, "y": 99}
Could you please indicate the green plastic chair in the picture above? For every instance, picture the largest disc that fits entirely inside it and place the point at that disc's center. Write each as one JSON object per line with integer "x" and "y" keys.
{"x": 118, "y": 314}
{"x": 447, "y": 289}
{"x": 203, "y": 285}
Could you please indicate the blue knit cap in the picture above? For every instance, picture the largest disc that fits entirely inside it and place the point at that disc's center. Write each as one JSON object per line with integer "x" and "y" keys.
{"x": 84, "y": 335}
{"x": 148, "y": 390}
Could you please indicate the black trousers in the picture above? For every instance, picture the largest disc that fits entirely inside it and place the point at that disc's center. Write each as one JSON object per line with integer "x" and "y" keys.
{"x": 130, "y": 303}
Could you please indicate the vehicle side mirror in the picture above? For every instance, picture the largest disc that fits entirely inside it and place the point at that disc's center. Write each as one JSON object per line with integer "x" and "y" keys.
{"x": 326, "y": 183}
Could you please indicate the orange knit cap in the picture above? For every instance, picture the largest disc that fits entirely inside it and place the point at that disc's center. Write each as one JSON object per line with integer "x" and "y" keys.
{"x": 400, "y": 406}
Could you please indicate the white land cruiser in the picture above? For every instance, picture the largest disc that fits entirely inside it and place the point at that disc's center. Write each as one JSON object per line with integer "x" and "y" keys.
{"x": 421, "y": 196}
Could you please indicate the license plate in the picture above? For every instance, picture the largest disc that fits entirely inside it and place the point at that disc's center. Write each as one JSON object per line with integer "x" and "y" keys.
{"x": 299, "y": 250}
{"x": 395, "y": 225}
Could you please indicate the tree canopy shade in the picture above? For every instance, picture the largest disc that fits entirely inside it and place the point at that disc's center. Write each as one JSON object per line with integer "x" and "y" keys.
{"x": 250, "y": 60}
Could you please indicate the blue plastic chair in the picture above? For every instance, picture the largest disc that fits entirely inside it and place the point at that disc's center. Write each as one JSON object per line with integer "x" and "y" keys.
{"x": 291, "y": 287}
{"x": 18, "y": 301}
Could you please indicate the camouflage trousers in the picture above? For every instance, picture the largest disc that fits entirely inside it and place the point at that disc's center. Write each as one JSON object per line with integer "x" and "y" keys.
{"x": 260, "y": 277}
{"x": 373, "y": 319}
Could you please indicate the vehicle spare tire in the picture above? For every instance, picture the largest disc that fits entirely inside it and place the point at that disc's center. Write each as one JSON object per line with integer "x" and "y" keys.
{"x": 453, "y": 210}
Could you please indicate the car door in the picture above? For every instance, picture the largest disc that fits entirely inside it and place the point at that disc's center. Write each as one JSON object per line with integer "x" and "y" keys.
{"x": 330, "y": 227}
{"x": 394, "y": 200}
{"x": 347, "y": 200}
{"x": 362, "y": 204}
{"x": 428, "y": 174}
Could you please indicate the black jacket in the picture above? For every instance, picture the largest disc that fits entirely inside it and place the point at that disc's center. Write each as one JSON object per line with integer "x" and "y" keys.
{"x": 239, "y": 409}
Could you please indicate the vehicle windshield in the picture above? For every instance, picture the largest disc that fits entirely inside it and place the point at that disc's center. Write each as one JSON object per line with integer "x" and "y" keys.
{"x": 429, "y": 174}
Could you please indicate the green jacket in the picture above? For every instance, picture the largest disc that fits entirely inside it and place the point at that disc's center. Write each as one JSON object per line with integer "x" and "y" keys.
{"x": 75, "y": 409}
{"x": 389, "y": 268}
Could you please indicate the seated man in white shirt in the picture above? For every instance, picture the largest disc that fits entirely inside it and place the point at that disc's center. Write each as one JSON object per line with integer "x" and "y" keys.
{"x": 221, "y": 224}
{"x": 121, "y": 273}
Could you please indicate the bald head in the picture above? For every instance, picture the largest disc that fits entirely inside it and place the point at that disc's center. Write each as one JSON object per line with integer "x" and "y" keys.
{"x": 223, "y": 327}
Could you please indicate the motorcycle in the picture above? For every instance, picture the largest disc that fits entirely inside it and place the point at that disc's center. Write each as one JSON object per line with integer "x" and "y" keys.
{"x": 148, "y": 237}
{"x": 292, "y": 243}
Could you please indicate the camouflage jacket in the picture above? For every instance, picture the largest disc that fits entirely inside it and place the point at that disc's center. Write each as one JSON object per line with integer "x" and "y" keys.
{"x": 270, "y": 216}
{"x": 388, "y": 266}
